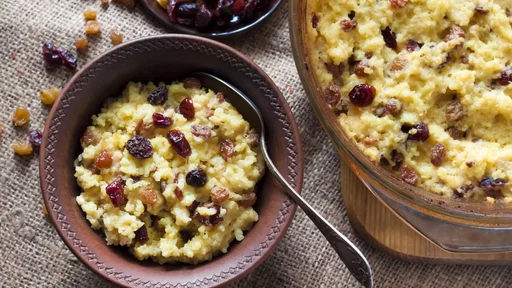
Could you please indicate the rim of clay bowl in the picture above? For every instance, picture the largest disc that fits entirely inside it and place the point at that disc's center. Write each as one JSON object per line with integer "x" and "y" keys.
{"x": 49, "y": 175}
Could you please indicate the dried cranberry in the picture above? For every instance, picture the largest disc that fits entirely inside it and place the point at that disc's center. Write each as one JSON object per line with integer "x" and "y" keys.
{"x": 50, "y": 54}
{"x": 179, "y": 143}
{"x": 68, "y": 59}
{"x": 362, "y": 95}
{"x": 335, "y": 70}
{"x": 158, "y": 96}
{"x": 422, "y": 132}
{"x": 115, "y": 190}
{"x": 505, "y": 76}
{"x": 161, "y": 121}
{"x": 185, "y": 21}
{"x": 187, "y": 108}
{"x": 186, "y": 10}
{"x": 211, "y": 220}
{"x": 412, "y": 45}
{"x": 389, "y": 38}
{"x": 196, "y": 177}
{"x": 203, "y": 17}
{"x": 227, "y": 149}
{"x": 438, "y": 155}
{"x": 314, "y": 20}
{"x": 141, "y": 235}
{"x": 238, "y": 7}
{"x": 398, "y": 3}
{"x": 139, "y": 147}
{"x": 35, "y": 138}
{"x": 249, "y": 9}
{"x": 171, "y": 9}
{"x": 201, "y": 131}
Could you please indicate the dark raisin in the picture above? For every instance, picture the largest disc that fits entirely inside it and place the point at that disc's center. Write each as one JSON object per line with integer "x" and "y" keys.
{"x": 463, "y": 190}
{"x": 161, "y": 121}
{"x": 380, "y": 111}
{"x": 35, "y": 137}
{"x": 335, "y": 70}
{"x": 464, "y": 59}
{"x": 192, "y": 207}
{"x": 470, "y": 164}
{"x": 191, "y": 83}
{"x": 68, "y": 59}
{"x": 187, "y": 108}
{"x": 361, "y": 66}
{"x": 332, "y": 94}
{"x": 163, "y": 185}
{"x": 421, "y": 132}
{"x": 141, "y": 235}
{"x": 136, "y": 178}
{"x": 454, "y": 111}
{"x": 314, "y": 20}
{"x": 227, "y": 149}
{"x": 139, "y": 147}
{"x": 115, "y": 190}
{"x": 146, "y": 130}
{"x": 186, "y": 10}
{"x": 491, "y": 183}
{"x": 393, "y": 106}
{"x": 201, "y": 131}
{"x": 352, "y": 15}
{"x": 196, "y": 177}
{"x": 445, "y": 62}
{"x": 341, "y": 107}
{"x": 211, "y": 220}
{"x": 505, "y": 76}
{"x": 185, "y": 236}
{"x": 398, "y": 3}
{"x": 179, "y": 143}
{"x": 438, "y": 155}
{"x": 383, "y": 161}
{"x": 412, "y": 45}
{"x": 158, "y": 96}
{"x": 397, "y": 158}
{"x": 480, "y": 10}
{"x": 348, "y": 25}
{"x": 179, "y": 193}
{"x": 389, "y": 38}
{"x": 456, "y": 133}
{"x": 409, "y": 175}
{"x": 203, "y": 17}
{"x": 362, "y": 95}
{"x": 455, "y": 33}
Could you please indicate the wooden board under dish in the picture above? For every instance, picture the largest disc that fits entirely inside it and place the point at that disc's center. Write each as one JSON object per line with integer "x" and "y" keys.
{"x": 384, "y": 230}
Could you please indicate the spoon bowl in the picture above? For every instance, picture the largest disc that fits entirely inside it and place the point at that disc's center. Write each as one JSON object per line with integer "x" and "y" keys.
{"x": 354, "y": 260}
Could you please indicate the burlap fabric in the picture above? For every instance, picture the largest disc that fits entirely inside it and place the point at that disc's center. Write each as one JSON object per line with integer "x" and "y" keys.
{"x": 31, "y": 252}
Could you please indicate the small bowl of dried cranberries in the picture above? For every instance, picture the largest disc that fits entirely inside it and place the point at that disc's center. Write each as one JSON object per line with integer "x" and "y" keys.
{"x": 210, "y": 18}
{"x": 164, "y": 58}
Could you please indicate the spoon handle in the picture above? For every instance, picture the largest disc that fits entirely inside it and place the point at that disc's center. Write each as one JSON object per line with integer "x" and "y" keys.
{"x": 353, "y": 258}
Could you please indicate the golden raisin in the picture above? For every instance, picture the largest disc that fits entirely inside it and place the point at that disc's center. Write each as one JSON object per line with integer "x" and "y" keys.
{"x": 104, "y": 159}
{"x": 48, "y": 96}
{"x": 248, "y": 200}
{"x": 92, "y": 27}
{"x": 45, "y": 211}
{"x": 90, "y": 14}
{"x": 104, "y": 3}
{"x": 81, "y": 44}
{"x": 22, "y": 148}
{"x": 90, "y": 137}
{"x": 1, "y": 128}
{"x": 219, "y": 194}
{"x": 20, "y": 117}
{"x": 148, "y": 196}
{"x": 163, "y": 3}
{"x": 116, "y": 37}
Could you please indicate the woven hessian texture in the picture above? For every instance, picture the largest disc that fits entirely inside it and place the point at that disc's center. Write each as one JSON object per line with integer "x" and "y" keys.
{"x": 31, "y": 252}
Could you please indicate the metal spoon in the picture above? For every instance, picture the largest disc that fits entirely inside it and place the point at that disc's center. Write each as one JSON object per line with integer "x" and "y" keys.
{"x": 346, "y": 250}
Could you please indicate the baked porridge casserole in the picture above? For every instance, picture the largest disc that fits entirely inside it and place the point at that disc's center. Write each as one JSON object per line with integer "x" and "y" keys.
{"x": 422, "y": 87}
{"x": 170, "y": 171}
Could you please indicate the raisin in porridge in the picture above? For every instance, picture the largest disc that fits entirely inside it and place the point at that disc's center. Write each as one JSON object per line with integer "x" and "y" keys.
{"x": 422, "y": 87}
{"x": 169, "y": 171}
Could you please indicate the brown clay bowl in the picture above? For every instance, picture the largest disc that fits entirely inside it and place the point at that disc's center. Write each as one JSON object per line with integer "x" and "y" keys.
{"x": 156, "y": 11}
{"x": 166, "y": 58}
